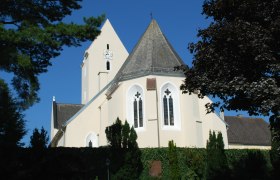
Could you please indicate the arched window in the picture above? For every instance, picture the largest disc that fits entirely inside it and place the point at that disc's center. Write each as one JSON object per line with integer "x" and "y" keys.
{"x": 170, "y": 106}
{"x": 91, "y": 140}
{"x": 108, "y": 65}
{"x": 135, "y": 108}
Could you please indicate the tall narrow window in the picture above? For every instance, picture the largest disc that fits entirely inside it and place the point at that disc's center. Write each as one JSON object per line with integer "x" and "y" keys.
{"x": 170, "y": 107}
{"x": 140, "y": 113}
{"x": 108, "y": 46}
{"x": 135, "y": 109}
{"x": 165, "y": 110}
{"x": 135, "y": 113}
{"x": 171, "y": 112}
{"x": 108, "y": 65}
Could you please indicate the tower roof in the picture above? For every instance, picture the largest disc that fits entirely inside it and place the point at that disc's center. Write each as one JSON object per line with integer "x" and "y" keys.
{"x": 153, "y": 55}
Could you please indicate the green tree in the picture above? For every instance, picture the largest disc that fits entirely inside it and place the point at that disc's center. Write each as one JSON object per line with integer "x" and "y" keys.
{"x": 31, "y": 34}
{"x": 39, "y": 140}
{"x": 125, "y": 153}
{"x": 114, "y": 134}
{"x": 237, "y": 59}
{"x": 216, "y": 160}
{"x": 11, "y": 120}
{"x": 174, "y": 172}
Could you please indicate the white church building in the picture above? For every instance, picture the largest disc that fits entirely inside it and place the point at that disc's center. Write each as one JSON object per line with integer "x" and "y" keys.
{"x": 140, "y": 87}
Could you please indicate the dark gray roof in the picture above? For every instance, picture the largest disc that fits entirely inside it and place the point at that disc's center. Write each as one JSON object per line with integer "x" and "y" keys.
{"x": 63, "y": 112}
{"x": 153, "y": 54}
{"x": 248, "y": 131}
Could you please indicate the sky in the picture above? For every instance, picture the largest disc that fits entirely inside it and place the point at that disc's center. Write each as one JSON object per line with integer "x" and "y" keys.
{"x": 178, "y": 19}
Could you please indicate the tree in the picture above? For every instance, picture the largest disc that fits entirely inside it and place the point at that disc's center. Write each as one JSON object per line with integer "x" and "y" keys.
{"x": 114, "y": 134}
{"x": 11, "y": 120}
{"x": 174, "y": 172}
{"x": 39, "y": 140}
{"x": 237, "y": 59}
{"x": 216, "y": 160}
{"x": 31, "y": 34}
{"x": 125, "y": 153}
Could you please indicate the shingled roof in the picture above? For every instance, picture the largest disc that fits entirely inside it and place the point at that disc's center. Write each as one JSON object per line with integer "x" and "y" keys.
{"x": 153, "y": 54}
{"x": 248, "y": 131}
{"x": 63, "y": 112}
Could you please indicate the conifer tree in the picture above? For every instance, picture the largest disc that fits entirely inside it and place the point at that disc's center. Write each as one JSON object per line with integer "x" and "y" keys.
{"x": 217, "y": 166}
{"x": 174, "y": 172}
{"x": 39, "y": 140}
{"x": 32, "y": 32}
{"x": 12, "y": 123}
{"x": 124, "y": 150}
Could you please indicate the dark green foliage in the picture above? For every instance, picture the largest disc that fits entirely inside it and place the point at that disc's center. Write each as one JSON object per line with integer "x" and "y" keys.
{"x": 39, "y": 140}
{"x": 237, "y": 59}
{"x": 195, "y": 162}
{"x": 216, "y": 160}
{"x": 88, "y": 163}
{"x": 251, "y": 166}
{"x": 31, "y": 34}
{"x": 11, "y": 120}
{"x": 124, "y": 151}
{"x": 174, "y": 171}
{"x": 114, "y": 134}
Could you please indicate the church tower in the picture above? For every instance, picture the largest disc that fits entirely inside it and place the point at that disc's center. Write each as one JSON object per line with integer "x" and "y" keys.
{"x": 102, "y": 60}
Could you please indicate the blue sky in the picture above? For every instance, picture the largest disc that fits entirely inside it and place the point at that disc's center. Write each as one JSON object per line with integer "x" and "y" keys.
{"x": 178, "y": 19}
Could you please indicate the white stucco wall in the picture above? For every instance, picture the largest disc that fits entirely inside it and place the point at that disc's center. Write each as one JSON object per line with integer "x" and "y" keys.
{"x": 190, "y": 114}
{"x": 86, "y": 121}
{"x": 193, "y": 129}
{"x": 95, "y": 64}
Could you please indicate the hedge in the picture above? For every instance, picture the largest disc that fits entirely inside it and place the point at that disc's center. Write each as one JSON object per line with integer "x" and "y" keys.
{"x": 89, "y": 163}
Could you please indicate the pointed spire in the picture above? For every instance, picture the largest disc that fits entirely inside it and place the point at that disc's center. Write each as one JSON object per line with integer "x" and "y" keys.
{"x": 153, "y": 54}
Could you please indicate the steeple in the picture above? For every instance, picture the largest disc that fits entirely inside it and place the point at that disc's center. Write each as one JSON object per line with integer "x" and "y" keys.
{"x": 153, "y": 55}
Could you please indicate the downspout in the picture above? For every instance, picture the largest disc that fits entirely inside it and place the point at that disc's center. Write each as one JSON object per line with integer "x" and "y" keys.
{"x": 63, "y": 134}
{"x": 157, "y": 117}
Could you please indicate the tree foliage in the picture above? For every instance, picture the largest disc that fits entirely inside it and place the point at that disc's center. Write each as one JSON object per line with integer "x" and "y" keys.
{"x": 216, "y": 160}
{"x": 174, "y": 171}
{"x": 124, "y": 151}
{"x": 11, "y": 120}
{"x": 39, "y": 140}
{"x": 31, "y": 34}
{"x": 237, "y": 57}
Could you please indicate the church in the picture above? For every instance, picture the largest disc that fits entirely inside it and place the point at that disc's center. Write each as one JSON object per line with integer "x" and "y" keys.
{"x": 142, "y": 88}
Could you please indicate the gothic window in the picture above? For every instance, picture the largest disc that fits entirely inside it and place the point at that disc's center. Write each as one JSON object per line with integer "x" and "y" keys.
{"x": 135, "y": 108}
{"x": 170, "y": 106}
{"x": 138, "y": 110}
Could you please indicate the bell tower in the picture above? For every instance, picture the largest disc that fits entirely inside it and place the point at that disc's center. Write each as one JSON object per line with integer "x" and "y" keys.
{"x": 101, "y": 62}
